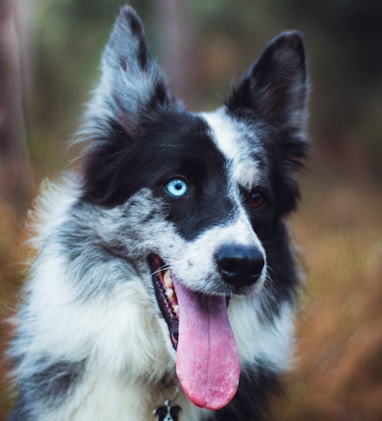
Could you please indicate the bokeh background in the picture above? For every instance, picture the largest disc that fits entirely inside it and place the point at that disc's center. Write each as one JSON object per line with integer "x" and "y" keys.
{"x": 49, "y": 60}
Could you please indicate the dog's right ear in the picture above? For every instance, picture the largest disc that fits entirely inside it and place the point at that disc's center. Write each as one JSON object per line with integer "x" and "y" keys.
{"x": 132, "y": 84}
{"x": 131, "y": 91}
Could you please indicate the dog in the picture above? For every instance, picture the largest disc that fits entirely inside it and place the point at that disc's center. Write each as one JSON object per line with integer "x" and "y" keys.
{"x": 165, "y": 283}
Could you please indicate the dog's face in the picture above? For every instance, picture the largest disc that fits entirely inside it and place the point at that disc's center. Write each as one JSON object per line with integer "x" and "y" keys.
{"x": 193, "y": 201}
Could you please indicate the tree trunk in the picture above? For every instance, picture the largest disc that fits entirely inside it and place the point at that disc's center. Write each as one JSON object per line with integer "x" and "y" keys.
{"x": 174, "y": 38}
{"x": 15, "y": 172}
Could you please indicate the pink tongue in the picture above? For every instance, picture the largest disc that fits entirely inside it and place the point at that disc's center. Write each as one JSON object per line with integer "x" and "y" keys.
{"x": 207, "y": 360}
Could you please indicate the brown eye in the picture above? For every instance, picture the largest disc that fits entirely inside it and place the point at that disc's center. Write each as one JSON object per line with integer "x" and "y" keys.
{"x": 256, "y": 199}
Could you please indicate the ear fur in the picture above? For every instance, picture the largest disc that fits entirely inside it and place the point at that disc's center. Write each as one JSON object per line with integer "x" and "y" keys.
{"x": 131, "y": 82}
{"x": 275, "y": 89}
{"x": 132, "y": 89}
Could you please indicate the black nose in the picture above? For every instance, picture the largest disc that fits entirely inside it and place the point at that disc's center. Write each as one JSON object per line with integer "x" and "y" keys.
{"x": 239, "y": 265}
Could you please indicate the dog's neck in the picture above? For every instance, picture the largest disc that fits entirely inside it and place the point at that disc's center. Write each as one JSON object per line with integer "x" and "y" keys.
{"x": 127, "y": 399}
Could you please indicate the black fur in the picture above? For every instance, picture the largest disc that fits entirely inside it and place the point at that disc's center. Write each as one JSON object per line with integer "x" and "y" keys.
{"x": 52, "y": 384}
{"x": 169, "y": 144}
{"x": 257, "y": 387}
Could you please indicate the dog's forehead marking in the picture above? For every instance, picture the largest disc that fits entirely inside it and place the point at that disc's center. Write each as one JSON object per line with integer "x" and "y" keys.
{"x": 231, "y": 137}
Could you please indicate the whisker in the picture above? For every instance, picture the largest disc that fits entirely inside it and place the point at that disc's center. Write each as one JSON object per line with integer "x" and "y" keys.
{"x": 162, "y": 268}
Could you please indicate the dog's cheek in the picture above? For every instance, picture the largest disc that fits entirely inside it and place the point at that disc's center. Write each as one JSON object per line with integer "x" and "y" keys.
{"x": 262, "y": 223}
{"x": 142, "y": 227}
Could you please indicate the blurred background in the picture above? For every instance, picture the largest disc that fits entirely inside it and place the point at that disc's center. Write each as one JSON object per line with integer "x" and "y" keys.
{"x": 49, "y": 61}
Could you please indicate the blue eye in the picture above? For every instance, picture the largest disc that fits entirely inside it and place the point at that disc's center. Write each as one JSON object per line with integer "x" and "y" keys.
{"x": 176, "y": 187}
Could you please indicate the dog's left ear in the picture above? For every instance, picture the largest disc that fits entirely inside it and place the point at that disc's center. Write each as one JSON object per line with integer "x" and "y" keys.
{"x": 275, "y": 89}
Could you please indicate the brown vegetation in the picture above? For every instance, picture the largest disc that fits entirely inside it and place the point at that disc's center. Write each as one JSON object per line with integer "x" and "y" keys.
{"x": 338, "y": 373}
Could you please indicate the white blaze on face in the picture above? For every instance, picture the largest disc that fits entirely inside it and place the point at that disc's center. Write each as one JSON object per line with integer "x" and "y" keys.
{"x": 230, "y": 137}
{"x": 194, "y": 262}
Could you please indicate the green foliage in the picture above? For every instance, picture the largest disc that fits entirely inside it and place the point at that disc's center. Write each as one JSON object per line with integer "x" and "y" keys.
{"x": 343, "y": 41}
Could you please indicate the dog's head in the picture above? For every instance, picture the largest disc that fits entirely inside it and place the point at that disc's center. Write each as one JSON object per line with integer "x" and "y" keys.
{"x": 197, "y": 198}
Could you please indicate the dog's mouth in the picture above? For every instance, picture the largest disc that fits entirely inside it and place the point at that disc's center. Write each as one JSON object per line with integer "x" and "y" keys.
{"x": 166, "y": 297}
{"x": 207, "y": 360}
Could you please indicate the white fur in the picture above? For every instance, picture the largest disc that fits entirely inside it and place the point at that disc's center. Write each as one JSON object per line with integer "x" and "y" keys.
{"x": 259, "y": 340}
{"x": 231, "y": 136}
{"x": 121, "y": 335}
{"x": 195, "y": 264}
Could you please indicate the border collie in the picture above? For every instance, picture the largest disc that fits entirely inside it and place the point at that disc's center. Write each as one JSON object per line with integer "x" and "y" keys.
{"x": 164, "y": 282}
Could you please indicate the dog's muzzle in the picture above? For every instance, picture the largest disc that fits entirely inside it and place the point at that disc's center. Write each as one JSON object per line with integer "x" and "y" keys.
{"x": 239, "y": 266}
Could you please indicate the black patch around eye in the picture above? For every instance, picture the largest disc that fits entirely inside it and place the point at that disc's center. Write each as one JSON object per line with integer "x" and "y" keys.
{"x": 256, "y": 199}
{"x": 170, "y": 144}
{"x": 259, "y": 205}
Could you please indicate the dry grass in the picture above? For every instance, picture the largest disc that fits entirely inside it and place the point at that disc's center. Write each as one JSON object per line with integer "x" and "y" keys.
{"x": 11, "y": 274}
{"x": 338, "y": 373}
